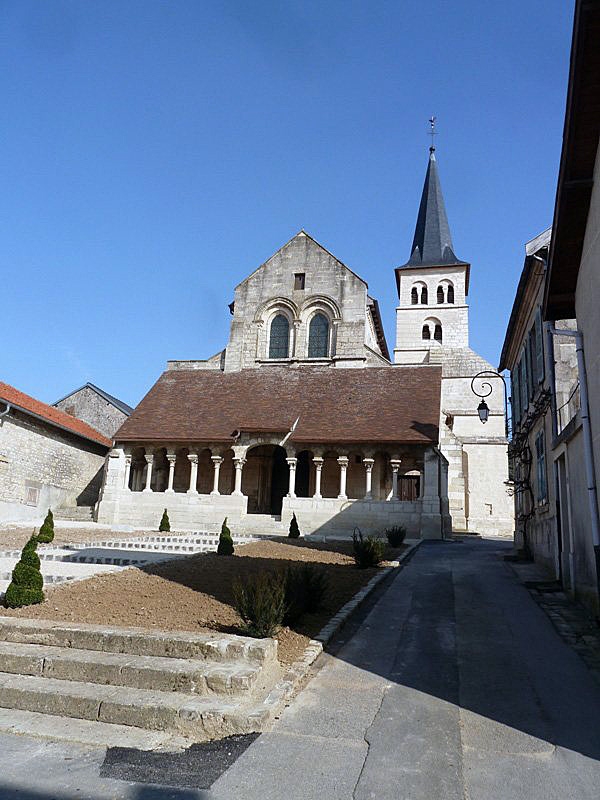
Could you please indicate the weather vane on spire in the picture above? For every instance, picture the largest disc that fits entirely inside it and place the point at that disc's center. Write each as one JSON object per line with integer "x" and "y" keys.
{"x": 432, "y": 132}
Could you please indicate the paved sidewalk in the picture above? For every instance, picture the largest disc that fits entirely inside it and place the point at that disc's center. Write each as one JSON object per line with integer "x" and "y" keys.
{"x": 456, "y": 685}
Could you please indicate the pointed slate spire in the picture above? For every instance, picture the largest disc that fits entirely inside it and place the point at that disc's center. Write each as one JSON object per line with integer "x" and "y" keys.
{"x": 432, "y": 243}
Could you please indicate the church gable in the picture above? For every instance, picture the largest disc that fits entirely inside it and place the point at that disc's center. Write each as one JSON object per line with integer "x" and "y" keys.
{"x": 302, "y": 304}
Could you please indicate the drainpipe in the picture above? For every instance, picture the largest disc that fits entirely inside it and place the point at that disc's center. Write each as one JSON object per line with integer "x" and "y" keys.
{"x": 588, "y": 452}
{"x": 6, "y": 410}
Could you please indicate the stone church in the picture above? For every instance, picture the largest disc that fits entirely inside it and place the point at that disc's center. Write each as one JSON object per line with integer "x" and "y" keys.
{"x": 304, "y": 412}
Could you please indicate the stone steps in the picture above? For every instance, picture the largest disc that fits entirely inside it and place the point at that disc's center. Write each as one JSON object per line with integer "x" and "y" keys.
{"x": 192, "y": 676}
{"x": 74, "y": 514}
{"x": 198, "y": 686}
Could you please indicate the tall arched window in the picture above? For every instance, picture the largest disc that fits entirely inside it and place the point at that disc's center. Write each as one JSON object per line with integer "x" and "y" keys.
{"x": 279, "y": 339}
{"x": 414, "y": 296}
{"x": 440, "y": 294}
{"x": 450, "y": 293}
{"x": 318, "y": 337}
{"x": 424, "y": 296}
{"x": 426, "y": 334}
{"x": 437, "y": 333}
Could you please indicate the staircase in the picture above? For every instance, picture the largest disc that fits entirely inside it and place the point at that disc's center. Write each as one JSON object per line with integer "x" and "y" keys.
{"x": 74, "y": 513}
{"x": 117, "y": 684}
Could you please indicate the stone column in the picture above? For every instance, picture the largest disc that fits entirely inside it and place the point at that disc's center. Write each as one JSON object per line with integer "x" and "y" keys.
{"x": 368, "y": 464}
{"x": 217, "y": 461}
{"x": 291, "y": 462}
{"x": 318, "y": 462}
{"x": 343, "y": 462}
{"x": 395, "y": 464}
{"x": 294, "y": 345}
{"x": 171, "y": 458}
{"x": 238, "y": 463}
{"x": 127, "y": 470}
{"x": 432, "y": 523}
{"x": 193, "y": 459}
{"x": 149, "y": 461}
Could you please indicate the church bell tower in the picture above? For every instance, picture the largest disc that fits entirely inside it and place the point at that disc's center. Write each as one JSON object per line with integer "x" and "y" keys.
{"x": 432, "y": 312}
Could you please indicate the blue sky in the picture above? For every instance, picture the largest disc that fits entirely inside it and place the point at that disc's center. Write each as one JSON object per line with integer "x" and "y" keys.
{"x": 153, "y": 154}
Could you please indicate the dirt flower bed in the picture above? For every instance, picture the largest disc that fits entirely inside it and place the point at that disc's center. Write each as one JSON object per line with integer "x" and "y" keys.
{"x": 14, "y": 537}
{"x": 195, "y": 593}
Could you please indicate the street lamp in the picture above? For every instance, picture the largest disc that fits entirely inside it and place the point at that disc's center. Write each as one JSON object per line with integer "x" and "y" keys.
{"x": 486, "y": 389}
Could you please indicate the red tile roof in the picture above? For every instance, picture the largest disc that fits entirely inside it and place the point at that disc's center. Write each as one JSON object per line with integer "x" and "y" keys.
{"x": 374, "y": 404}
{"x": 27, "y": 404}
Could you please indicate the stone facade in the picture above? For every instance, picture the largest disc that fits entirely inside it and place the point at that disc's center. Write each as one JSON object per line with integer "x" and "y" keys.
{"x": 435, "y": 329}
{"x": 42, "y": 467}
{"x": 99, "y": 409}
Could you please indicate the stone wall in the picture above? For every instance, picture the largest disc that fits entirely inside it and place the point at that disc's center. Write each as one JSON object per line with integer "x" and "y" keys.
{"x": 42, "y": 467}
{"x": 89, "y": 406}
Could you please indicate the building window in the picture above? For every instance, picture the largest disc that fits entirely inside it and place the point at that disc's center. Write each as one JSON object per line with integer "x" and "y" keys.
{"x": 414, "y": 296}
{"x": 299, "y": 280}
{"x": 440, "y": 294}
{"x": 426, "y": 332}
{"x": 540, "y": 454}
{"x": 437, "y": 333}
{"x": 318, "y": 337}
{"x": 279, "y": 339}
{"x": 424, "y": 296}
{"x": 450, "y": 296}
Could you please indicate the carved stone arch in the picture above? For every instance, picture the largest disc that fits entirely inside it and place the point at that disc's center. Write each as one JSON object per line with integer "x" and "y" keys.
{"x": 270, "y": 307}
{"x": 434, "y": 327}
{"x": 313, "y": 307}
{"x": 316, "y": 302}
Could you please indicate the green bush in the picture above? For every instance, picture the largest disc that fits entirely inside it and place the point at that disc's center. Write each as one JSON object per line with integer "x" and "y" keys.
{"x": 46, "y": 534}
{"x": 368, "y": 552}
{"x": 294, "y": 532}
{"x": 31, "y": 558}
{"x": 165, "y": 525}
{"x": 225, "y": 546}
{"x": 260, "y": 602}
{"x": 26, "y": 586}
{"x": 305, "y": 589}
{"x": 396, "y": 535}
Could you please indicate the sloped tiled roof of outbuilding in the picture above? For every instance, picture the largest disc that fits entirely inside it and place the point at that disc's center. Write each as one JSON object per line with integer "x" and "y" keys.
{"x": 29, "y": 405}
{"x": 375, "y": 404}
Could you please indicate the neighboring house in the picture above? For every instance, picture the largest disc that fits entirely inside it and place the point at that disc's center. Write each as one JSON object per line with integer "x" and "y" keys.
{"x": 573, "y": 290}
{"x": 547, "y": 441}
{"x": 99, "y": 409}
{"x": 48, "y": 459}
{"x": 432, "y": 327}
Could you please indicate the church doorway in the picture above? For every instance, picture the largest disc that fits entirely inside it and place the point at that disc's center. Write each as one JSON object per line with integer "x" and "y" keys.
{"x": 265, "y": 479}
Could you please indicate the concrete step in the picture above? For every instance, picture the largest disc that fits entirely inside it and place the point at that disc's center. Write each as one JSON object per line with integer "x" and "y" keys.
{"x": 192, "y": 676}
{"x": 187, "y": 715}
{"x": 74, "y": 513}
{"x": 140, "y": 641}
{"x": 83, "y": 731}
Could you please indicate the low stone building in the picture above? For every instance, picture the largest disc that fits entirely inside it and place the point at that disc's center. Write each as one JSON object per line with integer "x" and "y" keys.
{"x": 93, "y": 405}
{"x": 48, "y": 459}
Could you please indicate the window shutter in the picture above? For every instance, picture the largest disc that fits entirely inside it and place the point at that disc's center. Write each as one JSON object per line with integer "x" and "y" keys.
{"x": 515, "y": 398}
{"x": 539, "y": 343}
{"x": 523, "y": 383}
{"x": 529, "y": 367}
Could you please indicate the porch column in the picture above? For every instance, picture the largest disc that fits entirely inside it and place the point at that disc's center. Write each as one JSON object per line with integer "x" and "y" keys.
{"x": 127, "y": 470}
{"x": 291, "y": 462}
{"x": 343, "y": 462}
{"x": 368, "y": 464}
{"x": 149, "y": 461}
{"x": 193, "y": 459}
{"x": 395, "y": 464}
{"x": 318, "y": 462}
{"x": 217, "y": 461}
{"x": 238, "y": 463}
{"x": 171, "y": 458}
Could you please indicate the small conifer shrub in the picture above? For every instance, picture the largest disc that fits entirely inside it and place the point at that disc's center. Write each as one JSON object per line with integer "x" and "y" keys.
{"x": 294, "y": 532}
{"x": 46, "y": 534}
{"x": 225, "y": 546}
{"x": 305, "y": 590}
{"x": 368, "y": 552}
{"x": 260, "y": 602}
{"x": 26, "y": 586}
{"x": 165, "y": 525}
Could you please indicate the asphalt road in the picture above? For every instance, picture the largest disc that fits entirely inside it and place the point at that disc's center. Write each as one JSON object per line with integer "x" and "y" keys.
{"x": 454, "y": 685}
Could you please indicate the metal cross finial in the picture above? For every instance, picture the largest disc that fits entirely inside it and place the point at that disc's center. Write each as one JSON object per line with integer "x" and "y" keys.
{"x": 432, "y": 132}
